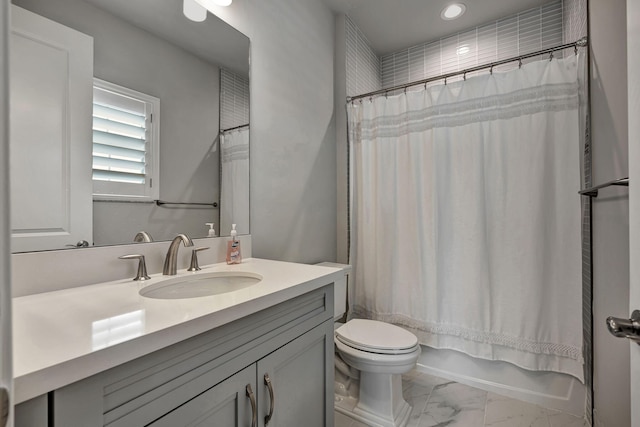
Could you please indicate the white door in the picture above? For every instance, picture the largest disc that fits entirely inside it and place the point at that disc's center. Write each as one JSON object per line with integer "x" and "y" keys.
{"x": 6, "y": 374}
{"x": 633, "y": 79}
{"x": 51, "y": 73}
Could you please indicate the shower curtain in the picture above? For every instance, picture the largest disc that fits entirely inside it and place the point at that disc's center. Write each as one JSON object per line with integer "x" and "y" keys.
{"x": 466, "y": 218}
{"x": 234, "y": 181}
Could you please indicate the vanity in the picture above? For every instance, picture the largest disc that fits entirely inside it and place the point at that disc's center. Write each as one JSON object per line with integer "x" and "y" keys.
{"x": 104, "y": 355}
{"x": 91, "y": 346}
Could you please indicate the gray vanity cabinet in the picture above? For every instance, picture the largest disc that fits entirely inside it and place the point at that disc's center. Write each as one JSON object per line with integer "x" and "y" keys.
{"x": 225, "y": 404}
{"x": 294, "y": 371}
{"x": 202, "y": 381}
{"x": 297, "y": 392}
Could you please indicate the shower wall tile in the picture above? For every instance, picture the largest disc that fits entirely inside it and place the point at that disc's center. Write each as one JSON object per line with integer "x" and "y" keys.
{"x": 363, "y": 65}
{"x": 574, "y": 15}
{"x": 522, "y": 33}
{"x": 574, "y": 23}
{"x": 234, "y": 99}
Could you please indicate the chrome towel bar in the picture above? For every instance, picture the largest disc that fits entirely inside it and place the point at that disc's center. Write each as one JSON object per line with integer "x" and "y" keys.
{"x": 593, "y": 191}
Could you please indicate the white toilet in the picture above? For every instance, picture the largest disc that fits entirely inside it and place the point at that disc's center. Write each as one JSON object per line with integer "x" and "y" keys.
{"x": 371, "y": 357}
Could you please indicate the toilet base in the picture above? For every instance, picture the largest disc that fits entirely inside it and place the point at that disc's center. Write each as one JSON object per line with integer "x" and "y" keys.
{"x": 346, "y": 405}
{"x": 380, "y": 403}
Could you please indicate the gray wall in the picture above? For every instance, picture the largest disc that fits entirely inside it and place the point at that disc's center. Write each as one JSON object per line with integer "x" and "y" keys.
{"x": 6, "y": 369}
{"x": 188, "y": 88}
{"x": 610, "y": 209}
{"x": 293, "y": 141}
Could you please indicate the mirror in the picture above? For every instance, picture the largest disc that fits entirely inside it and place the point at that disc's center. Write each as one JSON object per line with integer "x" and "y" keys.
{"x": 199, "y": 74}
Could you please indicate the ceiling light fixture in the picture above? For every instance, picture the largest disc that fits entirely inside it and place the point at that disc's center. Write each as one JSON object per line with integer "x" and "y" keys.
{"x": 194, "y": 10}
{"x": 214, "y": 3}
{"x": 453, "y": 11}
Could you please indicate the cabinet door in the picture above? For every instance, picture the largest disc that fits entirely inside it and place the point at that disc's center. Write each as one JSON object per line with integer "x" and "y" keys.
{"x": 32, "y": 413}
{"x": 224, "y": 405}
{"x": 301, "y": 376}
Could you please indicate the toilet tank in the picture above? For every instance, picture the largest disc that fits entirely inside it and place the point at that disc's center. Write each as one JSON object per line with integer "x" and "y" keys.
{"x": 340, "y": 289}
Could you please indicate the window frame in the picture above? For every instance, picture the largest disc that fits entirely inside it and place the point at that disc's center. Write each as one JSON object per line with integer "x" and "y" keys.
{"x": 117, "y": 191}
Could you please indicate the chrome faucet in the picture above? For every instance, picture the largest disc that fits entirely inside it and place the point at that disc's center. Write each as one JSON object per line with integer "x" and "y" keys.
{"x": 142, "y": 236}
{"x": 171, "y": 260}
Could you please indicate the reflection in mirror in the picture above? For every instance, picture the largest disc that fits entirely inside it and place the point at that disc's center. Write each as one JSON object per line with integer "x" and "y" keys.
{"x": 141, "y": 51}
{"x": 234, "y": 152}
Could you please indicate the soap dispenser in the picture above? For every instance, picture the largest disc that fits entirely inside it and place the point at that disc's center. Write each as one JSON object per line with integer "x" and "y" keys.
{"x": 233, "y": 248}
{"x": 212, "y": 232}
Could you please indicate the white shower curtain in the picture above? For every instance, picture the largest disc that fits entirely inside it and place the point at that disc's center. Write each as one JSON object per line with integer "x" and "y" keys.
{"x": 234, "y": 181}
{"x": 466, "y": 220}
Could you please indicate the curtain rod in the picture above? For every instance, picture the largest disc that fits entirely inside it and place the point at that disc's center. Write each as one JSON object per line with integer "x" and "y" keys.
{"x": 234, "y": 128}
{"x": 579, "y": 43}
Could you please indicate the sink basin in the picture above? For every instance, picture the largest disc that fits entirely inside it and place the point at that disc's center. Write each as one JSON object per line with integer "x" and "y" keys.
{"x": 201, "y": 285}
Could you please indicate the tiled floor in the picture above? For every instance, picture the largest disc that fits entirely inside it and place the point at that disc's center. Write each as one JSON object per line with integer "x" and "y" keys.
{"x": 441, "y": 403}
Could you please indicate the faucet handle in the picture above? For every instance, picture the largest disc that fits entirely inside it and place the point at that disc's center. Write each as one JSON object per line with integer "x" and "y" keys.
{"x": 142, "y": 266}
{"x": 194, "y": 258}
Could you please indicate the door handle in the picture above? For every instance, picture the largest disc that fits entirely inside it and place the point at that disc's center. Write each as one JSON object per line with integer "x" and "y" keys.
{"x": 626, "y": 328}
{"x": 272, "y": 398}
{"x": 80, "y": 244}
{"x": 254, "y": 411}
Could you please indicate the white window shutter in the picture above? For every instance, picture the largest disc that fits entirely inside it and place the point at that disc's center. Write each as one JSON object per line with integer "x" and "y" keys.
{"x": 125, "y": 143}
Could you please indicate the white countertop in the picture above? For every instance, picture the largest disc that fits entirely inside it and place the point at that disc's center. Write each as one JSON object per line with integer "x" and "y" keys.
{"x": 63, "y": 336}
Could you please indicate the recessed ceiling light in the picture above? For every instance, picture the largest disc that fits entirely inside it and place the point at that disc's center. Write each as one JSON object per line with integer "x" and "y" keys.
{"x": 453, "y": 11}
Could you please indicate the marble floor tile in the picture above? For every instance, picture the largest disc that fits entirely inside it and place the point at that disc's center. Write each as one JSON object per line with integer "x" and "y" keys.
{"x": 453, "y": 404}
{"x": 416, "y": 395}
{"x": 437, "y": 402}
{"x": 506, "y": 412}
{"x": 559, "y": 419}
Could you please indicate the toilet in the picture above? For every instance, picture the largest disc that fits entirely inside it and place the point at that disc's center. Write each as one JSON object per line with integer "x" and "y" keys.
{"x": 370, "y": 358}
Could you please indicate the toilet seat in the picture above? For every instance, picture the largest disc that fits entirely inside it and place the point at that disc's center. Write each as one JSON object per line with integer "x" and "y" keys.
{"x": 376, "y": 337}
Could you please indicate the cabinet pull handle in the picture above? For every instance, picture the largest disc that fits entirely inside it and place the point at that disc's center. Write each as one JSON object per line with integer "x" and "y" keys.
{"x": 272, "y": 398}
{"x": 254, "y": 412}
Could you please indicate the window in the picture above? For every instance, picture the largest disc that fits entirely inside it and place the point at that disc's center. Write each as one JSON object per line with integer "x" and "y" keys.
{"x": 125, "y": 143}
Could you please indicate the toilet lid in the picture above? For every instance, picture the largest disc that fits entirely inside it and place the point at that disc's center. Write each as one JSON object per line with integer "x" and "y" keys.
{"x": 376, "y": 337}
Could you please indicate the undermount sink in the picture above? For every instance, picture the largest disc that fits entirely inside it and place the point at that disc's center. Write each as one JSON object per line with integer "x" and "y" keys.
{"x": 200, "y": 285}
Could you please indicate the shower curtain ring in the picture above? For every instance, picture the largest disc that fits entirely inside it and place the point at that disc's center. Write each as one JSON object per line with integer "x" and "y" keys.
{"x": 445, "y": 81}
{"x": 519, "y": 62}
{"x": 464, "y": 76}
{"x": 491, "y": 70}
{"x": 550, "y": 56}
{"x": 575, "y": 49}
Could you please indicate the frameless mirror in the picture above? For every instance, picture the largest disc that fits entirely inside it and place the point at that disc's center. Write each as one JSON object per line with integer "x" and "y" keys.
{"x": 125, "y": 117}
